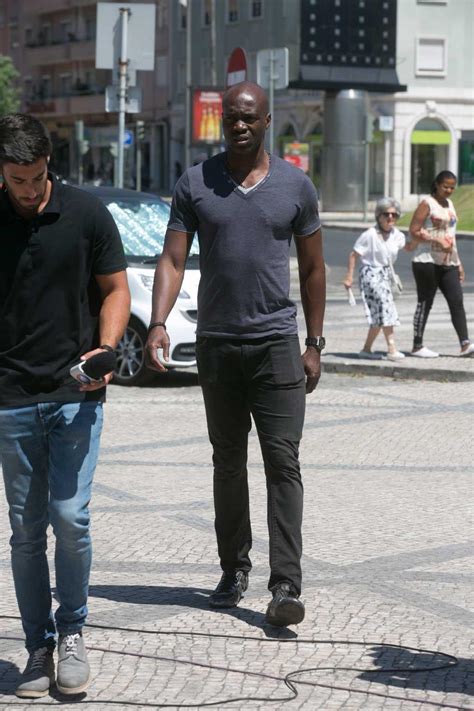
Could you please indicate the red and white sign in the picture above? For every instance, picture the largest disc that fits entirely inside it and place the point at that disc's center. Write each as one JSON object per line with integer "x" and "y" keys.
{"x": 237, "y": 67}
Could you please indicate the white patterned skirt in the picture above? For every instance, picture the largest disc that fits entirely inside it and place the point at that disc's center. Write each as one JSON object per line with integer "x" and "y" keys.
{"x": 377, "y": 297}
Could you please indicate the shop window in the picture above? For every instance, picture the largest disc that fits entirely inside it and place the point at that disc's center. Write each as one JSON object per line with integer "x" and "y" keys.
{"x": 466, "y": 158}
{"x": 429, "y": 153}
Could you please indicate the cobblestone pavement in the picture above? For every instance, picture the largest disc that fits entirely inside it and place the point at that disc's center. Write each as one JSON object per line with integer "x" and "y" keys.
{"x": 345, "y": 328}
{"x": 387, "y": 468}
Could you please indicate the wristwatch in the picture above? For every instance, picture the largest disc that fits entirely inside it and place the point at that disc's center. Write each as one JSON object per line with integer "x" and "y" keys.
{"x": 318, "y": 342}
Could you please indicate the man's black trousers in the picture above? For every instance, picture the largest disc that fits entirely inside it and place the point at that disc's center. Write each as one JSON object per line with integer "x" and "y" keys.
{"x": 263, "y": 378}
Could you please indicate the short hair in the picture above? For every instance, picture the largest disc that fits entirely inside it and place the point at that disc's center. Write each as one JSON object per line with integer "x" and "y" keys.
{"x": 384, "y": 204}
{"x": 444, "y": 175}
{"x": 23, "y": 139}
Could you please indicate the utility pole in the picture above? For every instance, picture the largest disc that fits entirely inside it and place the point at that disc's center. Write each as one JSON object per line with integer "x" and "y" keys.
{"x": 272, "y": 99}
{"x": 139, "y": 136}
{"x": 79, "y": 126}
{"x": 123, "y": 66}
{"x": 187, "y": 131}
{"x": 213, "y": 43}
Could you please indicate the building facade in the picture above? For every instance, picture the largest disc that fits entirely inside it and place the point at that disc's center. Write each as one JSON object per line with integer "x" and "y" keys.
{"x": 52, "y": 44}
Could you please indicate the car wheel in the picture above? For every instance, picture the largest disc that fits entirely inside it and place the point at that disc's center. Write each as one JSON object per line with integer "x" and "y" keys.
{"x": 130, "y": 352}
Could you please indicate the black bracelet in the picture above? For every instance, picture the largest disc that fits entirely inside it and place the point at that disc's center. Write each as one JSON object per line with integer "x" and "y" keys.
{"x": 156, "y": 323}
{"x": 106, "y": 347}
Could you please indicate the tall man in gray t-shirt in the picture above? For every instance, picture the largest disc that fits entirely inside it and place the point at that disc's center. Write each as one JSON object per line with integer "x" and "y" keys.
{"x": 245, "y": 206}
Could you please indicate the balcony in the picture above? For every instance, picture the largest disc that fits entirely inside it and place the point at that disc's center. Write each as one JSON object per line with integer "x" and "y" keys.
{"x": 87, "y": 100}
{"x": 60, "y": 52}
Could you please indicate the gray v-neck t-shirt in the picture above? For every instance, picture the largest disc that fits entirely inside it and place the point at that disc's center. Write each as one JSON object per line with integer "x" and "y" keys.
{"x": 244, "y": 241}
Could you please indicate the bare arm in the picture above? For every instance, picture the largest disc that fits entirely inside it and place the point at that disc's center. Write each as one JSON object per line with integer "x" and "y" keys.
{"x": 169, "y": 275}
{"x": 312, "y": 274}
{"x": 113, "y": 317}
{"x": 350, "y": 269}
{"x": 416, "y": 229}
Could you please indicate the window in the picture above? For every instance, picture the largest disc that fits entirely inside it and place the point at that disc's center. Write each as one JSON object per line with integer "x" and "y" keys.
{"x": 162, "y": 13}
{"x": 65, "y": 84}
{"x": 431, "y": 56}
{"x": 256, "y": 9}
{"x": 45, "y": 87}
{"x": 206, "y": 13}
{"x": 28, "y": 36}
{"x": 89, "y": 28}
{"x": 206, "y": 71}
{"x": 63, "y": 31}
{"x": 232, "y": 11}
{"x": 182, "y": 17}
{"x": 161, "y": 71}
{"x": 44, "y": 36}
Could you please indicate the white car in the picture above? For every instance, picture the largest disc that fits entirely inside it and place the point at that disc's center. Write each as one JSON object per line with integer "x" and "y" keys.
{"x": 142, "y": 219}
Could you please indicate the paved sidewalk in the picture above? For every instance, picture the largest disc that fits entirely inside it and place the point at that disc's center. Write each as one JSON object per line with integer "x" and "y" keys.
{"x": 388, "y": 516}
{"x": 345, "y": 328}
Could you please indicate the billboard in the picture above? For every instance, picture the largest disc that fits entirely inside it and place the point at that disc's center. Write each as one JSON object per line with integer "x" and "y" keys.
{"x": 348, "y": 45}
{"x": 207, "y": 111}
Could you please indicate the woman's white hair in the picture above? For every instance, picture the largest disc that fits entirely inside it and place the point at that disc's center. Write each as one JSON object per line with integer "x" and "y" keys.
{"x": 384, "y": 204}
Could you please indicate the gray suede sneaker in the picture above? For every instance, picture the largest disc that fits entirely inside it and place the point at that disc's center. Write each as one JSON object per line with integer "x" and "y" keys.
{"x": 73, "y": 667}
{"x": 38, "y": 675}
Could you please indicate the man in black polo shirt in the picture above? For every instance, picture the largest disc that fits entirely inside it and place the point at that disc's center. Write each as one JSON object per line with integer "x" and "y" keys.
{"x": 63, "y": 297}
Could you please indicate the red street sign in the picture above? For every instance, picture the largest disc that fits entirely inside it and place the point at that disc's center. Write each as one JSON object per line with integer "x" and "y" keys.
{"x": 237, "y": 67}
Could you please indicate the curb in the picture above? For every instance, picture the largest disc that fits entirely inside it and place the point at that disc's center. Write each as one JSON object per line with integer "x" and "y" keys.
{"x": 399, "y": 372}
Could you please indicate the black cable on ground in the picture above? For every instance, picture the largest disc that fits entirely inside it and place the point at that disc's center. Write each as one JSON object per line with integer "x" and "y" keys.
{"x": 290, "y": 680}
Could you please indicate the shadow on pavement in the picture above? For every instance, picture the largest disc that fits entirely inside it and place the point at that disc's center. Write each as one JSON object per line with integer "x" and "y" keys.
{"x": 9, "y": 676}
{"x": 170, "y": 379}
{"x": 403, "y": 667}
{"x": 196, "y": 598}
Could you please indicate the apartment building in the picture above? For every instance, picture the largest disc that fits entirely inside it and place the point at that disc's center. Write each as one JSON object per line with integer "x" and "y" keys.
{"x": 53, "y": 45}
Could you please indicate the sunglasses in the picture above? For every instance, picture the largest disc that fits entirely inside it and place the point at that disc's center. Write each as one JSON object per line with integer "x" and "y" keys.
{"x": 391, "y": 214}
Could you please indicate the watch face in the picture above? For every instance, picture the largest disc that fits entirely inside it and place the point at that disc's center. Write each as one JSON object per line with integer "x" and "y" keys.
{"x": 317, "y": 342}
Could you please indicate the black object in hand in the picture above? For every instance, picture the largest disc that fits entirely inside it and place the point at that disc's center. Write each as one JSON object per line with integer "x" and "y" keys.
{"x": 94, "y": 369}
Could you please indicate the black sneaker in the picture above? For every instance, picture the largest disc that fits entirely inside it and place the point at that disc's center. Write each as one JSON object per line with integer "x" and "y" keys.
{"x": 38, "y": 675}
{"x": 230, "y": 590}
{"x": 285, "y": 607}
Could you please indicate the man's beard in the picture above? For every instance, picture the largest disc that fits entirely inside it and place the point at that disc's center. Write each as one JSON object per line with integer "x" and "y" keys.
{"x": 26, "y": 210}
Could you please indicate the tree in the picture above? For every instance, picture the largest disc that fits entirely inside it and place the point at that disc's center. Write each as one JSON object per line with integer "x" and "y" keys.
{"x": 9, "y": 90}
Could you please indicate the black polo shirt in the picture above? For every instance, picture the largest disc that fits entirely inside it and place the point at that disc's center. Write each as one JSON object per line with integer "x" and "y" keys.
{"x": 49, "y": 299}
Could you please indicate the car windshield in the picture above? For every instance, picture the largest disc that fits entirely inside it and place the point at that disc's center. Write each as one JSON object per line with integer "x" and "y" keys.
{"x": 142, "y": 226}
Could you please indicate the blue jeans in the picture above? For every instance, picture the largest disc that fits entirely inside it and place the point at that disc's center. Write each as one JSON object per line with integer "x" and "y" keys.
{"x": 48, "y": 453}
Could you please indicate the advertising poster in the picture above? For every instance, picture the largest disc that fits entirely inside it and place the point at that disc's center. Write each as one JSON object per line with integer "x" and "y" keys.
{"x": 207, "y": 110}
{"x": 298, "y": 154}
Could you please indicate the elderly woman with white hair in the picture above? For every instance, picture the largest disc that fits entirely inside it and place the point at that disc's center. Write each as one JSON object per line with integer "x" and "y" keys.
{"x": 377, "y": 248}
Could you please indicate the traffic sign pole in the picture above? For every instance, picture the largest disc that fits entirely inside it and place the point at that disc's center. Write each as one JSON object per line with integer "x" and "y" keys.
{"x": 123, "y": 62}
{"x": 272, "y": 99}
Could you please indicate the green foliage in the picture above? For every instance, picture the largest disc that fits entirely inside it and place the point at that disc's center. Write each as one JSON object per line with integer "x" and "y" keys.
{"x": 463, "y": 199}
{"x": 9, "y": 89}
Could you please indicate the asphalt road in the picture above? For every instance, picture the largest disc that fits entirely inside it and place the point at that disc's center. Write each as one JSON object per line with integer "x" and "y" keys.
{"x": 338, "y": 244}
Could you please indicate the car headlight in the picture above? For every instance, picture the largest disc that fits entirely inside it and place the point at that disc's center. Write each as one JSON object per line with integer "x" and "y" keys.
{"x": 147, "y": 282}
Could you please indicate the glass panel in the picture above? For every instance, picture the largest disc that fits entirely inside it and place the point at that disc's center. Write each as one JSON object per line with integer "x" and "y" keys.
{"x": 426, "y": 162}
{"x": 142, "y": 226}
